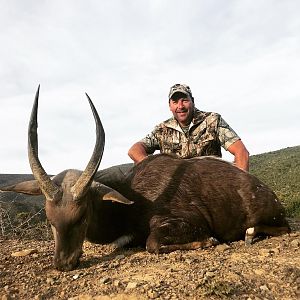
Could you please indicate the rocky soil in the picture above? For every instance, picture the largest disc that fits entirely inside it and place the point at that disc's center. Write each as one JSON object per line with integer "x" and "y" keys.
{"x": 269, "y": 269}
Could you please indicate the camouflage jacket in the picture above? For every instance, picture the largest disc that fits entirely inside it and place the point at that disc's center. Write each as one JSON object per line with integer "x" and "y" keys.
{"x": 205, "y": 136}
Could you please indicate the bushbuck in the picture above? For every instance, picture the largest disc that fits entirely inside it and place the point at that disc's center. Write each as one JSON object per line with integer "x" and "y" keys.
{"x": 164, "y": 203}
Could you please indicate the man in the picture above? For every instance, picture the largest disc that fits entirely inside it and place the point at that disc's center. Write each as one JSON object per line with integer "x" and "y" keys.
{"x": 191, "y": 133}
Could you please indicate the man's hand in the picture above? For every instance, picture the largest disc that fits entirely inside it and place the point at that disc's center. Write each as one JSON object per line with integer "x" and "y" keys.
{"x": 137, "y": 152}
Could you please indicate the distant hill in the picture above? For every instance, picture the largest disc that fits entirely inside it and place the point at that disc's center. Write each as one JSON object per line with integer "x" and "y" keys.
{"x": 280, "y": 170}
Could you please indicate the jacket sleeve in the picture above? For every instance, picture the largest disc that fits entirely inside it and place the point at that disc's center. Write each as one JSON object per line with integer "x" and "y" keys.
{"x": 227, "y": 135}
{"x": 151, "y": 141}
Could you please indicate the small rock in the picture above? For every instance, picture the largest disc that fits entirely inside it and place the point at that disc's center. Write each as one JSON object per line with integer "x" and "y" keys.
{"x": 50, "y": 280}
{"x": 105, "y": 280}
{"x": 117, "y": 283}
{"x": 209, "y": 274}
{"x": 295, "y": 243}
{"x": 275, "y": 251}
{"x": 24, "y": 252}
{"x": 189, "y": 261}
{"x": 131, "y": 285}
{"x": 259, "y": 272}
{"x": 231, "y": 276}
{"x": 222, "y": 247}
{"x": 76, "y": 276}
{"x": 152, "y": 294}
{"x": 264, "y": 252}
{"x": 264, "y": 288}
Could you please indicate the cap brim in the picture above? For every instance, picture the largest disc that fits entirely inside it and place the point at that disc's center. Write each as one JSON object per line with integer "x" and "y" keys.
{"x": 178, "y": 91}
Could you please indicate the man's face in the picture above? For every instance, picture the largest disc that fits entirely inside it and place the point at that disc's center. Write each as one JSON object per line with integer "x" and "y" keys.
{"x": 182, "y": 108}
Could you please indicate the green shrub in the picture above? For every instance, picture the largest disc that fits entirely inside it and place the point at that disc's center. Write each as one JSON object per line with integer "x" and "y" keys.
{"x": 280, "y": 170}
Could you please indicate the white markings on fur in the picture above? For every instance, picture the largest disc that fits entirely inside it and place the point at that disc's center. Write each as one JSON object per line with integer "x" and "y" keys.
{"x": 250, "y": 234}
{"x": 166, "y": 223}
{"x": 260, "y": 186}
{"x": 241, "y": 193}
{"x": 54, "y": 234}
{"x": 250, "y": 231}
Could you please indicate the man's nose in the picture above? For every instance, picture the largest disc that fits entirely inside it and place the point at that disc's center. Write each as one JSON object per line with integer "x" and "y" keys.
{"x": 180, "y": 104}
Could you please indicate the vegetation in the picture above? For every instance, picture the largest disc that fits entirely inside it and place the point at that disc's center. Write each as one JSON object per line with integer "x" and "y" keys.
{"x": 23, "y": 224}
{"x": 280, "y": 170}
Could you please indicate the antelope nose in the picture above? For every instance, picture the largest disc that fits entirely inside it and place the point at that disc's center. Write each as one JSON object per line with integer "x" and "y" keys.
{"x": 60, "y": 266}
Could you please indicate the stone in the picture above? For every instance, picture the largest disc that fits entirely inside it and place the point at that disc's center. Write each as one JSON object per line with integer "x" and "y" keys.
{"x": 24, "y": 252}
{"x": 222, "y": 247}
{"x": 131, "y": 285}
{"x": 295, "y": 243}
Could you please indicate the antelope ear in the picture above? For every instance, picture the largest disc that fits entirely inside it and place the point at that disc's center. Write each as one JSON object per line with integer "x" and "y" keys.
{"x": 107, "y": 193}
{"x": 30, "y": 187}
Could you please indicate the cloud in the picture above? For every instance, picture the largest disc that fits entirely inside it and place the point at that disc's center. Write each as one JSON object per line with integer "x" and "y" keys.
{"x": 240, "y": 59}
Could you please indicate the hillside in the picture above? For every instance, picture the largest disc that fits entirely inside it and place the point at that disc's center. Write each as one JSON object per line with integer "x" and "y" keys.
{"x": 281, "y": 171}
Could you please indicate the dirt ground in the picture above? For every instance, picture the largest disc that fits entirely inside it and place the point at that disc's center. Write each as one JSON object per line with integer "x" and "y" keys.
{"x": 269, "y": 269}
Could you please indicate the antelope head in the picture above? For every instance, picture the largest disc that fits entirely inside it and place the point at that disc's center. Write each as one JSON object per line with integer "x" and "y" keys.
{"x": 69, "y": 195}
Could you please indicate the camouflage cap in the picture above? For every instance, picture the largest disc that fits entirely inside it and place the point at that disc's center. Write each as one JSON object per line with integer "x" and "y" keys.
{"x": 180, "y": 88}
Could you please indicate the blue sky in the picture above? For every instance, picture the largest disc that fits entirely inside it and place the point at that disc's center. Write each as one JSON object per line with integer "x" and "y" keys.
{"x": 241, "y": 58}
